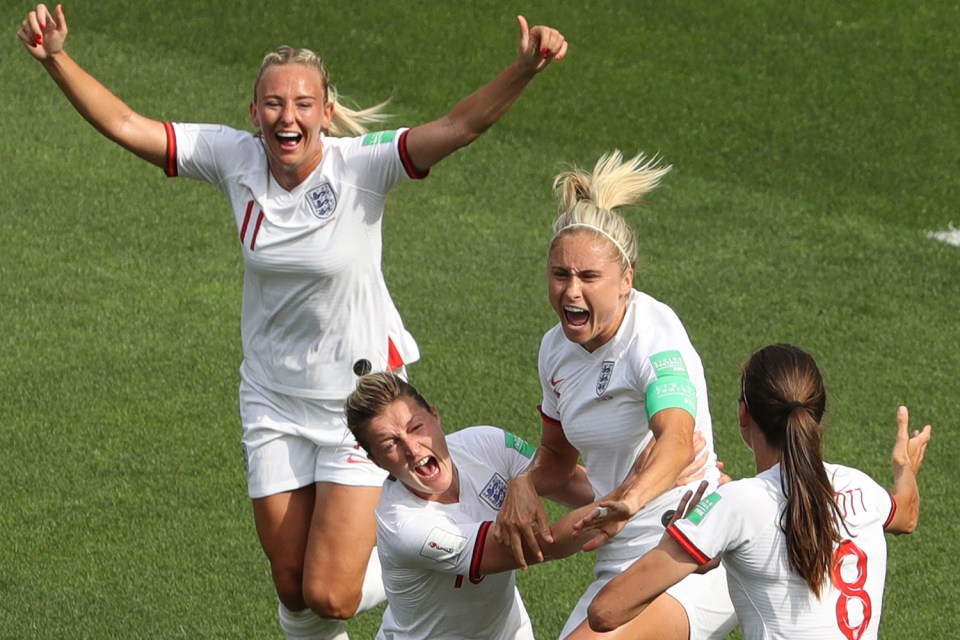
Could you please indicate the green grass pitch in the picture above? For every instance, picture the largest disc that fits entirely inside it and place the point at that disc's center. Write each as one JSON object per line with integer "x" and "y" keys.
{"x": 814, "y": 147}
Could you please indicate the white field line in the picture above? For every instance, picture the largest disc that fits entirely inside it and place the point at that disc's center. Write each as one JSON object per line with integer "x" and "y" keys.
{"x": 950, "y": 235}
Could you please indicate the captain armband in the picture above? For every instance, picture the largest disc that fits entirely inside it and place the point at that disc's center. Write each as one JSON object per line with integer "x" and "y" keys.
{"x": 671, "y": 392}
{"x": 672, "y": 389}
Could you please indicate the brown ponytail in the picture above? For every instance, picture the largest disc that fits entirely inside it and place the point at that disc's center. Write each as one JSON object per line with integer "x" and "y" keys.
{"x": 783, "y": 391}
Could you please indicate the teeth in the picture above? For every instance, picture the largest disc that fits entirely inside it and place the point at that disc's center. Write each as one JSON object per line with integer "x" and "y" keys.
{"x": 423, "y": 462}
{"x": 574, "y": 310}
{"x": 290, "y": 136}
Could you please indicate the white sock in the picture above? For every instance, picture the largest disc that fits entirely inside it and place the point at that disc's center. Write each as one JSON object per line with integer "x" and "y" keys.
{"x": 306, "y": 625}
{"x": 372, "y": 592}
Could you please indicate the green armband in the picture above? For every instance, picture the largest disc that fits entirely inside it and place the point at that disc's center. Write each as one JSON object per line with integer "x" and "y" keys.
{"x": 516, "y": 442}
{"x": 672, "y": 389}
{"x": 378, "y": 137}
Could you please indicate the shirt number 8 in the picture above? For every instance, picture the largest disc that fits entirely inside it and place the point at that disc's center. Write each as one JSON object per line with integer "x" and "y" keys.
{"x": 852, "y": 558}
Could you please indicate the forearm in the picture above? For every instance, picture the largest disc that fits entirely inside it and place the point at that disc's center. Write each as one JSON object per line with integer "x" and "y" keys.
{"x": 430, "y": 143}
{"x": 107, "y": 113}
{"x": 498, "y": 557}
{"x": 906, "y": 496}
{"x": 628, "y": 594}
{"x": 657, "y": 474}
{"x": 556, "y": 475}
{"x": 480, "y": 110}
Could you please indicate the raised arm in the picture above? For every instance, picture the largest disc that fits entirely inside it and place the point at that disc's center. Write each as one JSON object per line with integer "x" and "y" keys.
{"x": 43, "y": 35}
{"x": 430, "y": 143}
{"x": 907, "y": 458}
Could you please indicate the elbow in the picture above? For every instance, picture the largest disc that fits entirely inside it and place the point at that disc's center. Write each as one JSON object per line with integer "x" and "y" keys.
{"x": 909, "y": 524}
{"x": 600, "y": 618}
{"x": 907, "y": 515}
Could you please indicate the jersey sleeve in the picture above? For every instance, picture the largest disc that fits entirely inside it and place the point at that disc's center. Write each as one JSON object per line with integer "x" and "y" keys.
{"x": 715, "y": 525}
{"x": 208, "y": 152}
{"x": 378, "y": 161}
{"x": 507, "y": 452}
{"x": 857, "y": 492}
{"x": 548, "y": 408}
{"x": 432, "y": 542}
{"x": 665, "y": 380}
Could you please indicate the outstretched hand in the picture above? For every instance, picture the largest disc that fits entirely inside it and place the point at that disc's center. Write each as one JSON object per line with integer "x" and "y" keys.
{"x": 539, "y": 45}
{"x": 43, "y": 33}
{"x": 909, "y": 448}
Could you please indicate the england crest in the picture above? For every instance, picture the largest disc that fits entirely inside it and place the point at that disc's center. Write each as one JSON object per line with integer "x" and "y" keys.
{"x": 322, "y": 201}
{"x": 495, "y": 491}
{"x": 606, "y": 372}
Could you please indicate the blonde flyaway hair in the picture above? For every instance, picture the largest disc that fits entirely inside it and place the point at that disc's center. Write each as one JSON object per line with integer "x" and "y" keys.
{"x": 589, "y": 201}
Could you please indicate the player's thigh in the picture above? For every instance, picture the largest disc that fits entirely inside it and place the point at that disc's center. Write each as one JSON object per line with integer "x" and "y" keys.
{"x": 342, "y": 535}
{"x": 283, "y": 526}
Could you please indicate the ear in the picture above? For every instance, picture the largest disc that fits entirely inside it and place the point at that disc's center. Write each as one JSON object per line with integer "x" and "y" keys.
{"x": 744, "y": 414}
{"x": 254, "y": 116}
{"x": 327, "y": 116}
{"x": 626, "y": 283}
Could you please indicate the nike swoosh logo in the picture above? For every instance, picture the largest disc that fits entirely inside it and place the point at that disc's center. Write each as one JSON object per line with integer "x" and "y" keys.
{"x": 352, "y": 459}
{"x": 554, "y": 382}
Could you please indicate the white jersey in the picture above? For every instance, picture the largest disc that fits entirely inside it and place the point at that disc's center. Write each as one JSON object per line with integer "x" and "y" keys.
{"x": 430, "y": 553}
{"x": 599, "y": 400}
{"x": 741, "y": 521}
{"x": 316, "y": 310}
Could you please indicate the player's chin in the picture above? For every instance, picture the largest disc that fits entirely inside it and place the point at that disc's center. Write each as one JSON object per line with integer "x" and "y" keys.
{"x": 577, "y": 334}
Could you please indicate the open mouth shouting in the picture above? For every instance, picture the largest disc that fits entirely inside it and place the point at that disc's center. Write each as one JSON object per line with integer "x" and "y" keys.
{"x": 427, "y": 469}
{"x": 575, "y": 316}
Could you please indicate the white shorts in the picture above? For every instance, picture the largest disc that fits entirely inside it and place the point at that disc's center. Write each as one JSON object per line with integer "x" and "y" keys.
{"x": 290, "y": 442}
{"x": 704, "y": 598}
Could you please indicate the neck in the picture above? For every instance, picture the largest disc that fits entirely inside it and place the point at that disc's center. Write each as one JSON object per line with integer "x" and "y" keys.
{"x": 765, "y": 456}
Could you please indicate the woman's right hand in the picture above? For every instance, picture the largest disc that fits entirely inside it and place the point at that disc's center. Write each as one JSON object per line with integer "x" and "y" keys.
{"x": 521, "y": 520}
{"x": 42, "y": 33}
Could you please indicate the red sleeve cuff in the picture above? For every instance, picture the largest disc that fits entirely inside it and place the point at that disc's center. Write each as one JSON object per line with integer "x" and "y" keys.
{"x": 551, "y": 421}
{"x": 408, "y": 166}
{"x": 170, "y": 167}
{"x": 893, "y": 512}
{"x": 698, "y": 556}
{"x": 475, "y": 575}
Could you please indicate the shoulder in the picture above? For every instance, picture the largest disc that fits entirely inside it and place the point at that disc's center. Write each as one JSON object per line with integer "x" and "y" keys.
{"x": 554, "y": 347}
{"x": 482, "y": 441}
{"x": 468, "y": 437}
{"x": 746, "y": 489}
{"x": 200, "y": 130}
{"x": 367, "y": 145}
{"x": 649, "y": 314}
{"x": 553, "y": 335}
{"x": 843, "y": 477}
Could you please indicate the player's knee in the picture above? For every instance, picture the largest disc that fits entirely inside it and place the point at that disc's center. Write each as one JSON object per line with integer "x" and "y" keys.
{"x": 335, "y": 602}
{"x": 289, "y": 586}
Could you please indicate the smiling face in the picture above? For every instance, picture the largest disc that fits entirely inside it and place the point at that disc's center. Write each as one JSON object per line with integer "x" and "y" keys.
{"x": 588, "y": 287}
{"x": 291, "y": 111}
{"x": 407, "y": 440}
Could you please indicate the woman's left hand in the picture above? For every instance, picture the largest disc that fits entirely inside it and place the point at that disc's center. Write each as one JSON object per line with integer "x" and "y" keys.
{"x": 539, "y": 45}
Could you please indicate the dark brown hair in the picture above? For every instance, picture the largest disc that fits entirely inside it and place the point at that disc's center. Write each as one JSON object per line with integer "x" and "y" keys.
{"x": 373, "y": 393}
{"x": 783, "y": 391}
